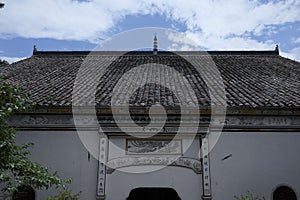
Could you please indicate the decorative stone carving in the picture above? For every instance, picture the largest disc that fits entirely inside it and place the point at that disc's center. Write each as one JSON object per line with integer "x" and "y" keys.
{"x": 42, "y": 120}
{"x": 190, "y": 163}
{"x": 153, "y": 146}
{"x": 67, "y": 121}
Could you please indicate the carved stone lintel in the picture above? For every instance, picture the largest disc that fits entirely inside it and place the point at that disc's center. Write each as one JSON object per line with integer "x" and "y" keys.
{"x": 190, "y": 163}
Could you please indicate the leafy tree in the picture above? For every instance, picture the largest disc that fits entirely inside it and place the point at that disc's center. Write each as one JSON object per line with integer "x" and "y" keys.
{"x": 248, "y": 196}
{"x": 15, "y": 167}
{"x": 65, "y": 193}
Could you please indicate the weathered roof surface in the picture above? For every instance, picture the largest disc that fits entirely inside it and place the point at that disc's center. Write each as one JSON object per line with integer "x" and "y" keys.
{"x": 253, "y": 79}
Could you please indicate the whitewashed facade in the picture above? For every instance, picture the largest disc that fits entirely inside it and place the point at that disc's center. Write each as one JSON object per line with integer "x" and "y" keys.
{"x": 254, "y": 153}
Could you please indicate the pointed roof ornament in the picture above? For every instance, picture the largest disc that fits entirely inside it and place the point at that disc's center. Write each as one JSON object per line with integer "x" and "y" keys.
{"x": 34, "y": 49}
{"x": 155, "y": 45}
{"x": 277, "y": 49}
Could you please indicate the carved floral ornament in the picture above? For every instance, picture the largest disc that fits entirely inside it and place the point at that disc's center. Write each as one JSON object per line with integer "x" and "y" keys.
{"x": 186, "y": 162}
{"x": 68, "y": 121}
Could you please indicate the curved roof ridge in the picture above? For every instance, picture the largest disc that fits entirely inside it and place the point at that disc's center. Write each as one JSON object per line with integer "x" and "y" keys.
{"x": 130, "y": 53}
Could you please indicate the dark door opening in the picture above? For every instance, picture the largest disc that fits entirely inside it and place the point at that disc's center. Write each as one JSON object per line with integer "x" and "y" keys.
{"x": 284, "y": 193}
{"x": 147, "y": 193}
{"x": 24, "y": 193}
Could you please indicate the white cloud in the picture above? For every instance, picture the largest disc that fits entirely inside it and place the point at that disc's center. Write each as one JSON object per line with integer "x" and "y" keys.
{"x": 214, "y": 24}
{"x": 64, "y": 19}
{"x": 225, "y": 43}
{"x": 200, "y": 41}
{"x": 180, "y": 42}
{"x": 296, "y": 40}
{"x": 90, "y": 20}
{"x": 293, "y": 54}
{"x": 223, "y": 18}
{"x": 11, "y": 59}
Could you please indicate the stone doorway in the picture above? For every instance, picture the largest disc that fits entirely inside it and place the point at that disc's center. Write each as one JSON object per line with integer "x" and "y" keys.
{"x": 153, "y": 193}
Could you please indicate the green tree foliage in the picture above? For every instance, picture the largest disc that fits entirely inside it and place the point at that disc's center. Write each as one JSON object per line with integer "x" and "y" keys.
{"x": 248, "y": 196}
{"x": 15, "y": 168}
{"x": 65, "y": 193}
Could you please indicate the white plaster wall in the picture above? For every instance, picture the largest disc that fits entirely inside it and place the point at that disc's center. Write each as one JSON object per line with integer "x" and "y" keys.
{"x": 62, "y": 151}
{"x": 185, "y": 181}
{"x": 259, "y": 163}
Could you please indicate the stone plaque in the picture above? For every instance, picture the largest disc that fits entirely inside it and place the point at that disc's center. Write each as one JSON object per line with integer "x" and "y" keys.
{"x": 154, "y": 146}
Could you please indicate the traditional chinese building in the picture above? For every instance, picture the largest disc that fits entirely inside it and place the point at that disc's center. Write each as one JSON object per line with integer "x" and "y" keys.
{"x": 101, "y": 145}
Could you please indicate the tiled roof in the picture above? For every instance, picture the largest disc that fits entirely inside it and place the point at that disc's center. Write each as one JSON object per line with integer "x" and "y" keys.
{"x": 253, "y": 79}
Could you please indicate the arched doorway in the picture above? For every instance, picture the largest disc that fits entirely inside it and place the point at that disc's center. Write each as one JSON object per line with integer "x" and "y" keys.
{"x": 149, "y": 193}
{"x": 284, "y": 193}
{"x": 24, "y": 193}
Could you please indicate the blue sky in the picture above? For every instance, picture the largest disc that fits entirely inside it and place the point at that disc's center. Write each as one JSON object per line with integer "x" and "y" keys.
{"x": 212, "y": 24}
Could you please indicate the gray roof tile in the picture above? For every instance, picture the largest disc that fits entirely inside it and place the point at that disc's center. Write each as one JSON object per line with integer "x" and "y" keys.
{"x": 252, "y": 78}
